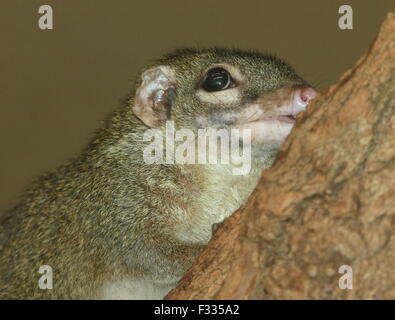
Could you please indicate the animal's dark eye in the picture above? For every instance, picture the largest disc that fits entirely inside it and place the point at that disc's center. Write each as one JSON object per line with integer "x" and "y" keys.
{"x": 217, "y": 79}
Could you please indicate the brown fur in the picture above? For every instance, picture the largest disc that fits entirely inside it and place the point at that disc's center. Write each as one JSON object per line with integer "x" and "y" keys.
{"x": 107, "y": 216}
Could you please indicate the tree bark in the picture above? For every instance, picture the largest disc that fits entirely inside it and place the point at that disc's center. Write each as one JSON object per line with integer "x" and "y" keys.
{"x": 328, "y": 201}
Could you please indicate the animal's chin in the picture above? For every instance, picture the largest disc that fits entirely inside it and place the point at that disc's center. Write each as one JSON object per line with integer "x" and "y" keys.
{"x": 281, "y": 119}
{"x": 287, "y": 119}
{"x": 271, "y": 122}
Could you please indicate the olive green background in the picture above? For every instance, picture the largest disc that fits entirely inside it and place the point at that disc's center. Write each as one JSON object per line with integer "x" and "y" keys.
{"x": 56, "y": 85}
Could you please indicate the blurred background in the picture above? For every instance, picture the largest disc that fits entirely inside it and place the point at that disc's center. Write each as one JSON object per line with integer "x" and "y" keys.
{"x": 56, "y": 85}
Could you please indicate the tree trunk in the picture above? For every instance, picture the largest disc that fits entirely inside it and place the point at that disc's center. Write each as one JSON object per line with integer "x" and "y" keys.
{"x": 328, "y": 201}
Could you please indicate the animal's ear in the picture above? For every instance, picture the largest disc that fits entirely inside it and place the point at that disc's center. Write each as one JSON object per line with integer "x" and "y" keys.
{"x": 155, "y": 96}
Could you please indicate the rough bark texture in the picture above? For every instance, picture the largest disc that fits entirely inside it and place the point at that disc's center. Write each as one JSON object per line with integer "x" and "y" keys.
{"x": 328, "y": 201}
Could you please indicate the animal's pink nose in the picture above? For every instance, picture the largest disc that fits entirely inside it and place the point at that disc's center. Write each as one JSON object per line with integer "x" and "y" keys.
{"x": 307, "y": 94}
{"x": 301, "y": 98}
